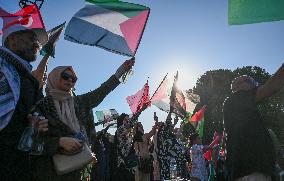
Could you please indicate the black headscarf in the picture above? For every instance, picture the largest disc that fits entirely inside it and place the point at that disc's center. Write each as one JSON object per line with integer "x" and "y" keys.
{"x": 138, "y": 135}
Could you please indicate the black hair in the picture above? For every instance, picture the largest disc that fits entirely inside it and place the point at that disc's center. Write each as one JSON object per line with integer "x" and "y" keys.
{"x": 120, "y": 119}
{"x": 193, "y": 137}
{"x": 138, "y": 135}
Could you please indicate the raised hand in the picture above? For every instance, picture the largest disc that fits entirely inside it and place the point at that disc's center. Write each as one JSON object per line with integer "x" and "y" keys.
{"x": 156, "y": 117}
{"x": 125, "y": 67}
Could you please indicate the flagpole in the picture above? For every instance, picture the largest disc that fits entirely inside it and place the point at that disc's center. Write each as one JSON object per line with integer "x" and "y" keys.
{"x": 159, "y": 86}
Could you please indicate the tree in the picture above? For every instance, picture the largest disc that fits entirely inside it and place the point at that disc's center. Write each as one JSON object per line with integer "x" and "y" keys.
{"x": 214, "y": 86}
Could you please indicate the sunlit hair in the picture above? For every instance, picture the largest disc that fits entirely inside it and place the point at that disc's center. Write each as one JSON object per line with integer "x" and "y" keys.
{"x": 235, "y": 85}
{"x": 120, "y": 119}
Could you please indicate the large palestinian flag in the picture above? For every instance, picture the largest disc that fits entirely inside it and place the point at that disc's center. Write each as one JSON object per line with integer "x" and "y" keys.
{"x": 110, "y": 24}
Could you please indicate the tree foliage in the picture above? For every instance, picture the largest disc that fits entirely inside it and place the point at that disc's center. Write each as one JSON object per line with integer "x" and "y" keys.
{"x": 214, "y": 86}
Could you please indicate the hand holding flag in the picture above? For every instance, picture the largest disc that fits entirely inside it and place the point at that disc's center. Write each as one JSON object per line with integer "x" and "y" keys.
{"x": 125, "y": 67}
{"x": 53, "y": 34}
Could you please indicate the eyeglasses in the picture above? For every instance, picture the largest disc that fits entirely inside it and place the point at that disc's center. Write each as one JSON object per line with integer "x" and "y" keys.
{"x": 67, "y": 76}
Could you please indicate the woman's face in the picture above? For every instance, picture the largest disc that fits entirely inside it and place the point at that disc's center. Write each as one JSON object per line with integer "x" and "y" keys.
{"x": 67, "y": 80}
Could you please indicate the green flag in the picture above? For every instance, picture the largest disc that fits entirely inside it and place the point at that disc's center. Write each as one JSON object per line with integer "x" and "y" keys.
{"x": 255, "y": 11}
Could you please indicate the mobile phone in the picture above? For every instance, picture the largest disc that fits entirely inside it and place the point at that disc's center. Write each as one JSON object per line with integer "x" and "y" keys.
{"x": 155, "y": 117}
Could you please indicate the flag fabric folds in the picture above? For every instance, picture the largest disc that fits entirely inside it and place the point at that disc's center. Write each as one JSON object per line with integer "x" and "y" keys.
{"x": 139, "y": 99}
{"x": 161, "y": 98}
{"x": 181, "y": 104}
{"x": 28, "y": 18}
{"x": 254, "y": 11}
{"x": 53, "y": 34}
{"x": 110, "y": 24}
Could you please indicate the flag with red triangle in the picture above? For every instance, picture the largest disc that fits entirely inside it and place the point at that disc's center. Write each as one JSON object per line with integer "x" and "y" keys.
{"x": 139, "y": 100}
{"x": 198, "y": 115}
{"x": 181, "y": 105}
{"x": 110, "y": 24}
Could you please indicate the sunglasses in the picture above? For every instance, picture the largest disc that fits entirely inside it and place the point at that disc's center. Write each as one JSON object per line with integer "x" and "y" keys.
{"x": 67, "y": 76}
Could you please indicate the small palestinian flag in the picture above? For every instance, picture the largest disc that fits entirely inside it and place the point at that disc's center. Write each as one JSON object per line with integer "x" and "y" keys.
{"x": 110, "y": 24}
{"x": 53, "y": 34}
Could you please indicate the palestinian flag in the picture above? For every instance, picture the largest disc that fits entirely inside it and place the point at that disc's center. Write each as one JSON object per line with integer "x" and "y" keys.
{"x": 110, "y": 24}
{"x": 198, "y": 120}
{"x": 106, "y": 117}
{"x": 181, "y": 105}
{"x": 139, "y": 99}
{"x": 53, "y": 34}
{"x": 161, "y": 98}
{"x": 198, "y": 115}
{"x": 255, "y": 11}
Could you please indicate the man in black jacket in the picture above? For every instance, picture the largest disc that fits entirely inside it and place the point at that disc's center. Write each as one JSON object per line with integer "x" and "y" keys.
{"x": 19, "y": 91}
{"x": 250, "y": 152}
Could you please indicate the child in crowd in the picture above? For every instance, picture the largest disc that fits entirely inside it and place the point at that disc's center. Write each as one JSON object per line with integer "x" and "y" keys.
{"x": 198, "y": 169}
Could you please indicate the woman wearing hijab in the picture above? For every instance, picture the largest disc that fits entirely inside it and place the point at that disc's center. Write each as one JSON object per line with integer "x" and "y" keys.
{"x": 141, "y": 145}
{"x": 67, "y": 116}
{"x": 125, "y": 150}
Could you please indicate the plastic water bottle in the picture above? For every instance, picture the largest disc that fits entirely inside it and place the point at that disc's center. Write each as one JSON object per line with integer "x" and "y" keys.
{"x": 38, "y": 141}
{"x": 26, "y": 140}
{"x": 173, "y": 168}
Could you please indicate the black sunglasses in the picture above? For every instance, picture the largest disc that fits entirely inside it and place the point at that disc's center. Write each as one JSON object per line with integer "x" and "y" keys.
{"x": 67, "y": 76}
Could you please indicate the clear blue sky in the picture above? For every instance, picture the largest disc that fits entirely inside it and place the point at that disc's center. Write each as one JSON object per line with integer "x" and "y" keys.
{"x": 186, "y": 35}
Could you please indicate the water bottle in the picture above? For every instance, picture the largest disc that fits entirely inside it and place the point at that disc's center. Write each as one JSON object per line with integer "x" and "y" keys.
{"x": 173, "y": 168}
{"x": 38, "y": 141}
{"x": 26, "y": 140}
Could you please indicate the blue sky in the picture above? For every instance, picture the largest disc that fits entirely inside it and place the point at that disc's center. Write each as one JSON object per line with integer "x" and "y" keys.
{"x": 186, "y": 35}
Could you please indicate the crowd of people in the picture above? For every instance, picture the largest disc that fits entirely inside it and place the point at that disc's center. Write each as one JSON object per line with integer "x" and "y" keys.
{"x": 66, "y": 124}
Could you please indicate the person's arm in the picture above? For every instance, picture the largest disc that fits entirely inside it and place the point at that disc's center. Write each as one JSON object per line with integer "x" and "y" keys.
{"x": 152, "y": 132}
{"x": 39, "y": 73}
{"x": 272, "y": 86}
{"x": 175, "y": 121}
{"x": 95, "y": 97}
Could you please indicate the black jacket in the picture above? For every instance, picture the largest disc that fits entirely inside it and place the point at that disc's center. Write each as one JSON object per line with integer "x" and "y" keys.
{"x": 15, "y": 164}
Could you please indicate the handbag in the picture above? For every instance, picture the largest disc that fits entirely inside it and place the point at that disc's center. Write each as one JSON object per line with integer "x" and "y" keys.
{"x": 131, "y": 161}
{"x": 67, "y": 163}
